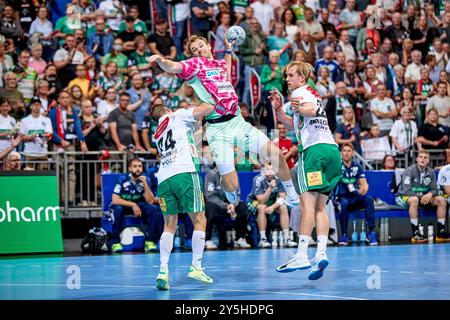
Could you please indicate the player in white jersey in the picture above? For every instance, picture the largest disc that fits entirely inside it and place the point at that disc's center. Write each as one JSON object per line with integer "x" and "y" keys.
{"x": 180, "y": 188}
{"x": 444, "y": 181}
{"x": 319, "y": 166}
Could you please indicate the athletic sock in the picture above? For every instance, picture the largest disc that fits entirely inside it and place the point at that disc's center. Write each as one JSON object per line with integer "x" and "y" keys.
{"x": 303, "y": 242}
{"x": 441, "y": 226}
{"x": 289, "y": 188}
{"x": 442, "y": 221}
{"x": 321, "y": 244}
{"x": 198, "y": 246}
{"x": 414, "y": 221}
{"x": 286, "y": 235}
{"x": 165, "y": 247}
{"x": 262, "y": 235}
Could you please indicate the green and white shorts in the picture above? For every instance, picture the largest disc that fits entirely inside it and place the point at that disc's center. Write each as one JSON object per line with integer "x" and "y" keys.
{"x": 319, "y": 168}
{"x": 222, "y": 137}
{"x": 182, "y": 193}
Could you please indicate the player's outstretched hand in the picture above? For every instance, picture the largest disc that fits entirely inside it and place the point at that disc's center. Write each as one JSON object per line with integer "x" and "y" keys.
{"x": 154, "y": 59}
{"x": 275, "y": 99}
{"x": 228, "y": 45}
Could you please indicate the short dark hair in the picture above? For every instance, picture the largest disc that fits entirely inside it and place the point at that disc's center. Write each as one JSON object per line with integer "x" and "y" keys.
{"x": 134, "y": 159}
{"x": 126, "y": 94}
{"x": 157, "y": 112}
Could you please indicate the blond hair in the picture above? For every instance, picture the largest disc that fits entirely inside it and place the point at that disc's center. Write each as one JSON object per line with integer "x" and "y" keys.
{"x": 302, "y": 68}
{"x": 194, "y": 38}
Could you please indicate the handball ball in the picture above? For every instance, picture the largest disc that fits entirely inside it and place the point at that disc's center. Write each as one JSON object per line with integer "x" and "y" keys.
{"x": 236, "y": 33}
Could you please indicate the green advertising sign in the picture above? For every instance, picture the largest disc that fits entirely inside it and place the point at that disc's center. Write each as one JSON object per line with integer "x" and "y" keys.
{"x": 29, "y": 214}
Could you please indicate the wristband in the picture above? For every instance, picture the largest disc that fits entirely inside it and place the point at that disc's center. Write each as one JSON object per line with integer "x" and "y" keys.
{"x": 280, "y": 201}
{"x": 228, "y": 51}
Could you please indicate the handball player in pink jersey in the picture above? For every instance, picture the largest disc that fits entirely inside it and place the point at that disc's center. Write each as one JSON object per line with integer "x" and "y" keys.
{"x": 225, "y": 126}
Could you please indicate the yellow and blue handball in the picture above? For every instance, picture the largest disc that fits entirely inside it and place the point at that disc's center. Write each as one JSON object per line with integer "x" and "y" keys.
{"x": 236, "y": 33}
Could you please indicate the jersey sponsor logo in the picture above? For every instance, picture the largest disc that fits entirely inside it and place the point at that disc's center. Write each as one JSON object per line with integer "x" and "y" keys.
{"x": 407, "y": 180}
{"x": 212, "y": 73}
{"x": 314, "y": 178}
{"x": 161, "y": 128}
{"x": 117, "y": 188}
{"x": 319, "y": 124}
{"x": 427, "y": 181}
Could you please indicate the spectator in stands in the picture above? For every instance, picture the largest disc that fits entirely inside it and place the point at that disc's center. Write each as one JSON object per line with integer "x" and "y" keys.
{"x": 424, "y": 90}
{"x": 422, "y": 36}
{"x": 10, "y": 91}
{"x": 348, "y": 132}
{"x": 138, "y": 24}
{"x": 117, "y": 56}
{"x": 383, "y": 110}
{"x": 67, "y": 135}
{"x": 328, "y": 61}
{"x": 128, "y": 34}
{"x": 110, "y": 77}
{"x": 219, "y": 44}
{"x": 397, "y": 32}
{"x": 140, "y": 100}
{"x": 336, "y": 105}
{"x": 7, "y": 123}
{"x": 346, "y": 47}
{"x": 10, "y": 26}
{"x": 26, "y": 76}
{"x": 329, "y": 41}
{"x": 325, "y": 86}
{"x": 350, "y": 20}
{"x": 351, "y": 193}
{"x": 122, "y": 125}
{"x": 82, "y": 82}
{"x": 42, "y": 25}
{"x": 290, "y": 25}
{"x": 279, "y": 42}
{"x": 6, "y": 61}
{"x": 201, "y": 12}
{"x": 99, "y": 43}
{"x": 66, "y": 59}
{"x": 431, "y": 66}
{"x": 287, "y": 147}
{"x": 312, "y": 26}
{"x": 265, "y": 15}
{"x": 305, "y": 43}
{"x": 441, "y": 102}
{"x": 270, "y": 194}
{"x": 419, "y": 189}
{"x": 404, "y": 133}
{"x": 374, "y": 146}
{"x": 36, "y": 62}
{"x": 412, "y": 73}
{"x": 13, "y": 162}
{"x": 218, "y": 210}
{"x": 139, "y": 58}
{"x": 132, "y": 195}
{"x": 37, "y": 131}
{"x": 326, "y": 22}
{"x": 42, "y": 93}
{"x": 114, "y": 11}
{"x": 161, "y": 41}
{"x": 432, "y": 135}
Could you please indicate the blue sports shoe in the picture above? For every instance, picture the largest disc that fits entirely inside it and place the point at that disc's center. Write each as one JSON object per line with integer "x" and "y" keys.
{"x": 319, "y": 264}
{"x": 372, "y": 238}
{"x": 344, "y": 240}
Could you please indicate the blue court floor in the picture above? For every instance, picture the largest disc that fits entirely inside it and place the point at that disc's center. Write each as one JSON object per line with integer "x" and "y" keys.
{"x": 399, "y": 272}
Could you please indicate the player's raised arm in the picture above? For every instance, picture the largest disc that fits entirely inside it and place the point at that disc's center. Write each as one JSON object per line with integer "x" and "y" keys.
{"x": 202, "y": 110}
{"x": 281, "y": 115}
{"x": 229, "y": 49}
{"x": 166, "y": 64}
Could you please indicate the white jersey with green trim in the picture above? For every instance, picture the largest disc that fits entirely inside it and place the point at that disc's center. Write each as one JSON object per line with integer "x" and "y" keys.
{"x": 174, "y": 138}
{"x": 311, "y": 130}
{"x": 444, "y": 176}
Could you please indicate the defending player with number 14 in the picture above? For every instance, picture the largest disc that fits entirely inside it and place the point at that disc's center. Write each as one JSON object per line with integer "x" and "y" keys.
{"x": 319, "y": 165}
{"x": 180, "y": 187}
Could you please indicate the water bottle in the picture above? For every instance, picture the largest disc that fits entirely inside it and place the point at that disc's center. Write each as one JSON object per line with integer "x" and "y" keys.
{"x": 281, "y": 240}
{"x": 362, "y": 235}
{"x": 430, "y": 233}
{"x": 228, "y": 235}
{"x": 233, "y": 235}
{"x": 291, "y": 235}
{"x": 176, "y": 240}
{"x": 421, "y": 229}
{"x": 274, "y": 238}
{"x": 354, "y": 234}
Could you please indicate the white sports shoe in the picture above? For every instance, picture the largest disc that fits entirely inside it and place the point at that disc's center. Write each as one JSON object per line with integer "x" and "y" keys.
{"x": 290, "y": 243}
{"x": 264, "y": 244}
{"x": 319, "y": 264}
{"x": 210, "y": 245}
{"x": 296, "y": 263}
{"x": 241, "y": 243}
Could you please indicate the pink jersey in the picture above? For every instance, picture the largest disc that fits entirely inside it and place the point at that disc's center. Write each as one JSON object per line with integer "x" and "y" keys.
{"x": 210, "y": 81}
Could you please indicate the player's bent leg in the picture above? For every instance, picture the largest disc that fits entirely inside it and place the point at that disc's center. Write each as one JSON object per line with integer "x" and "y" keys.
{"x": 269, "y": 151}
{"x": 196, "y": 271}
{"x": 230, "y": 185}
{"x": 166, "y": 245}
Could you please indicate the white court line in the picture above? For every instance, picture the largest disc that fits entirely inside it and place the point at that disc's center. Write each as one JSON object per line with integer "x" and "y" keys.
{"x": 431, "y": 273}
{"x": 137, "y": 266}
{"x": 357, "y": 270}
{"x": 235, "y": 267}
{"x": 185, "y": 288}
{"x": 259, "y": 268}
{"x": 409, "y": 272}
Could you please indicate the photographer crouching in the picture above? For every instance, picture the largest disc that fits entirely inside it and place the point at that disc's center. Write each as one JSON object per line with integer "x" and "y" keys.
{"x": 132, "y": 195}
